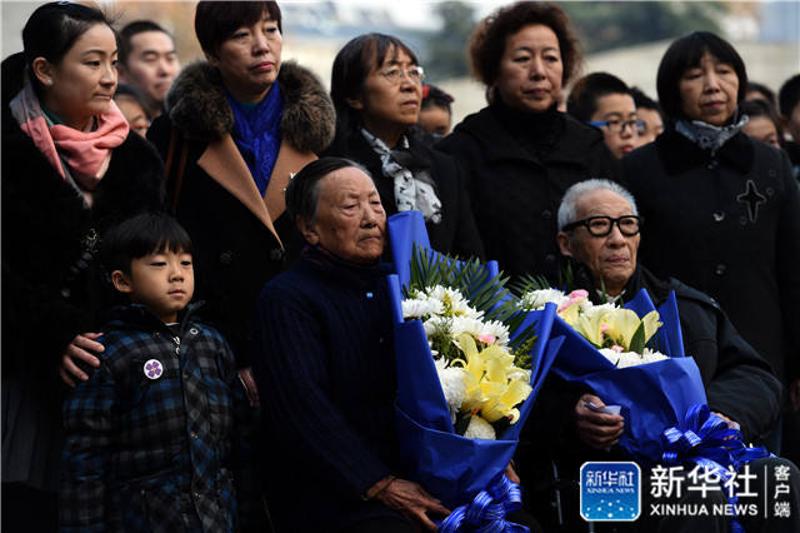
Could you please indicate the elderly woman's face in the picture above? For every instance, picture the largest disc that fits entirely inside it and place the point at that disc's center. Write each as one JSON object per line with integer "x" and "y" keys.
{"x": 531, "y": 69}
{"x": 350, "y": 221}
{"x": 249, "y": 60}
{"x": 709, "y": 91}
{"x": 612, "y": 258}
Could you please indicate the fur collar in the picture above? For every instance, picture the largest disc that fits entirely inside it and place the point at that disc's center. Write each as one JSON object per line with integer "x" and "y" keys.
{"x": 197, "y": 105}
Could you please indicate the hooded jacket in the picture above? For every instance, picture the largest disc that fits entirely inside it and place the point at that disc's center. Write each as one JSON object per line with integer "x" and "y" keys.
{"x": 240, "y": 238}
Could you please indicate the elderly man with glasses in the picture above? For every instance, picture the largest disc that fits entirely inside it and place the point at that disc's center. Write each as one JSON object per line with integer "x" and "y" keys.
{"x": 599, "y": 235}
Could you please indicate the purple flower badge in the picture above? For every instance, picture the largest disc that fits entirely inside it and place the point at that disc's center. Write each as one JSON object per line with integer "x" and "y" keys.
{"x": 153, "y": 369}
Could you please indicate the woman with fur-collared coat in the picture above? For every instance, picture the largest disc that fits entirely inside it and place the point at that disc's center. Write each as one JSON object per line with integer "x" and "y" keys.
{"x": 235, "y": 129}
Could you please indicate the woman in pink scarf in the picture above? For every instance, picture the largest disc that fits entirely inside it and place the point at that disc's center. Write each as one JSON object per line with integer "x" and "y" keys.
{"x": 70, "y": 170}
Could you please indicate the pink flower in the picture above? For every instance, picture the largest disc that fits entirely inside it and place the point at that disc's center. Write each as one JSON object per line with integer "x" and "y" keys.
{"x": 487, "y": 338}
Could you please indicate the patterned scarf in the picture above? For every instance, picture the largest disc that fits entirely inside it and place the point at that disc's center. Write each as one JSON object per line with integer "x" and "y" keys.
{"x": 257, "y": 133}
{"x": 707, "y": 136}
{"x": 80, "y": 157}
{"x": 414, "y": 189}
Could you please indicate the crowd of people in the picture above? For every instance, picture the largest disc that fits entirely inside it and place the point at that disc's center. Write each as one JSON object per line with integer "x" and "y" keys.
{"x": 196, "y": 332}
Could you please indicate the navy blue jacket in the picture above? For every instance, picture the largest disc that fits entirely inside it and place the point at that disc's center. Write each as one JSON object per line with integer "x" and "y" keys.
{"x": 325, "y": 365}
{"x": 150, "y": 435}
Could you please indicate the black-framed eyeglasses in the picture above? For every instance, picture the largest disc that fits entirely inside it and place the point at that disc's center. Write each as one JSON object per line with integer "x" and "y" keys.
{"x": 394, "y": 75}
{"x": 617, "y": 126}
{"x": 601, "y": 226}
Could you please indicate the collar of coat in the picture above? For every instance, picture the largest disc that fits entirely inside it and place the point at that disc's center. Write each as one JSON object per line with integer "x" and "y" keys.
{"x": 499, "y": 143}
{"x": 678, "y": 154}
{"x": 198, "y": 107}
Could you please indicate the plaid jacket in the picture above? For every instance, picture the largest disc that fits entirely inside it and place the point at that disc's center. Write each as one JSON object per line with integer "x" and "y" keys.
{"x": 150, "y": 435}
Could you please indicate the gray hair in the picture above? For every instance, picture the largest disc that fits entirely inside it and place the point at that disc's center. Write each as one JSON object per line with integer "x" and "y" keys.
{"x": 567, "y": 211}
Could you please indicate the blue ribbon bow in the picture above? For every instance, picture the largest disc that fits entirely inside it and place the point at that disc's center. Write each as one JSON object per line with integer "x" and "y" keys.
{"x": 708, "y": 441}
{"x": 487, "y": 511}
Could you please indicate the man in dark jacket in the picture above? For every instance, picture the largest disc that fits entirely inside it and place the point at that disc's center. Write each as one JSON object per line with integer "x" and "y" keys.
{"x": 599, "y": 231}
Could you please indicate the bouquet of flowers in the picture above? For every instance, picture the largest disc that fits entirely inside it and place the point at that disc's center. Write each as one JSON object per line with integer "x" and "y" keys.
{"x": 633, "y": 357}
{"x": 468, "y": 370}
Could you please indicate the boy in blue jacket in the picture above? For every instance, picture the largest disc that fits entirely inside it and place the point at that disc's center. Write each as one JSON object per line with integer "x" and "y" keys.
{"x": 150, "y": 436}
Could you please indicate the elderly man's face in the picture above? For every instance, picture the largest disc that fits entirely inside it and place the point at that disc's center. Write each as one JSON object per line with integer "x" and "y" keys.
{"x": 612, "y": 258}
{"x": 350, "y": 221}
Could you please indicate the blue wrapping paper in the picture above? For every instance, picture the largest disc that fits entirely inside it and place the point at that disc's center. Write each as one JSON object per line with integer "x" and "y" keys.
{"x": 453, "y": 468}
{"x": 654, "y": 396}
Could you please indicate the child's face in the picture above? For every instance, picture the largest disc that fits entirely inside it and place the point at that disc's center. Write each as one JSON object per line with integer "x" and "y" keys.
{"x": 163, "y": 282}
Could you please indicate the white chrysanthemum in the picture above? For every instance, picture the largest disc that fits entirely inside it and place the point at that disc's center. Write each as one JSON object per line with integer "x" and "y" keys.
{"x": 535, "y": 300}
{"x": 453, "y": 386}
{"x": 480, "y": 329}
{"x": 651, "y": 356}
{"x": 438, "y": 324}
{"x": 453, "y": 301}
{"x": 610, "y": 354}
{"x": 479, "y": 428}
{"x": 627, "y": 359}
{"x": 591, "y": 310}
{"x": 421, "y": 307}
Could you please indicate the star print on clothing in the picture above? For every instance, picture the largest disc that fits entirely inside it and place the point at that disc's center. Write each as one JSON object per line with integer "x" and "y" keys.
{"x": 752, "y": 199}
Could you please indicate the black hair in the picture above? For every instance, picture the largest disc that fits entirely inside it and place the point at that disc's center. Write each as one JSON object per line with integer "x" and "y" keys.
{"x": 433, "y": 96}
{"x": 582, "y": 101}
{"x": 216, "y": 21}
{"x": 789, "y": 95}
{"x": 144, "y": 234}
{"x": 685, "y": 53}
{"x": 135, "y": 28}
{"x": 762, "y": 108}
{"x": 52, "y": 30}
{"x": 641, "y": 100}
{"x": 302, "y": 193}
{"x": 352, "y": 65}
{"x": 769, "y": 94}
{"x": 123, "y": 89}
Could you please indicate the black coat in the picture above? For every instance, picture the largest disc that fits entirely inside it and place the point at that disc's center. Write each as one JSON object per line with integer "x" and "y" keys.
{"x": 517, "y": 179}
{"x": 325, "y": 354}
{"x": 46, "y": 231}
{"x": 728, "y": 225}
{"x": 456, "y": 233}
{"x": 240, "y": 239}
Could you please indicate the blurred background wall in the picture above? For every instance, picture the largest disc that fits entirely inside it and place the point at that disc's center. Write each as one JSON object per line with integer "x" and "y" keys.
{"x": 624, "y": 38}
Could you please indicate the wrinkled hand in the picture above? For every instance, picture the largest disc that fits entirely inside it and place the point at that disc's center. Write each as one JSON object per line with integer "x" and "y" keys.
{"x": 794, "y": 394}
{"x": 731, "y": 423}
{"x": 250, "y": 387}
{"x": 412, "y": 501}
{"x": 511, "y": 474}
{"x": 82, "y": 348}
{"x": 598, "y": 430}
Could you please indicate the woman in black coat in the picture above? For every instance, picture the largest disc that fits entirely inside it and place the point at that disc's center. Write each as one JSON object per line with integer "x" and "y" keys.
{"x": 722, "y": 211}
{"x": 235, "y": 128}
{"x": 71, "y": 168}
{"x": 376, "y": 86}
{"x": 521, "y": 153}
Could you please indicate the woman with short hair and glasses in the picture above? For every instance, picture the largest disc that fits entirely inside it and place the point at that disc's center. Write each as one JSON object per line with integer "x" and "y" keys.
{"x": 723, "y": 211}
{"x": 521, "y": 153}
{"x": 376, "y": 87}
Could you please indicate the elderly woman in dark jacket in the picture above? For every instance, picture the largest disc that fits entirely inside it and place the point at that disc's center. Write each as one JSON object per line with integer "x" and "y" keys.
{"x": 324, "y": 350}
{"x": 376, "y": 86}
{"x": 520, "y": 152}
{"x": 235, "y": 129}
{"x": 723, "y": 211}
{"x": 71, "y": 169}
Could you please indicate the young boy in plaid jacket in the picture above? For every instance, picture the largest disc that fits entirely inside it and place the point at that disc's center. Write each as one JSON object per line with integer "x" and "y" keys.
{"x": 150, "y": 436}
